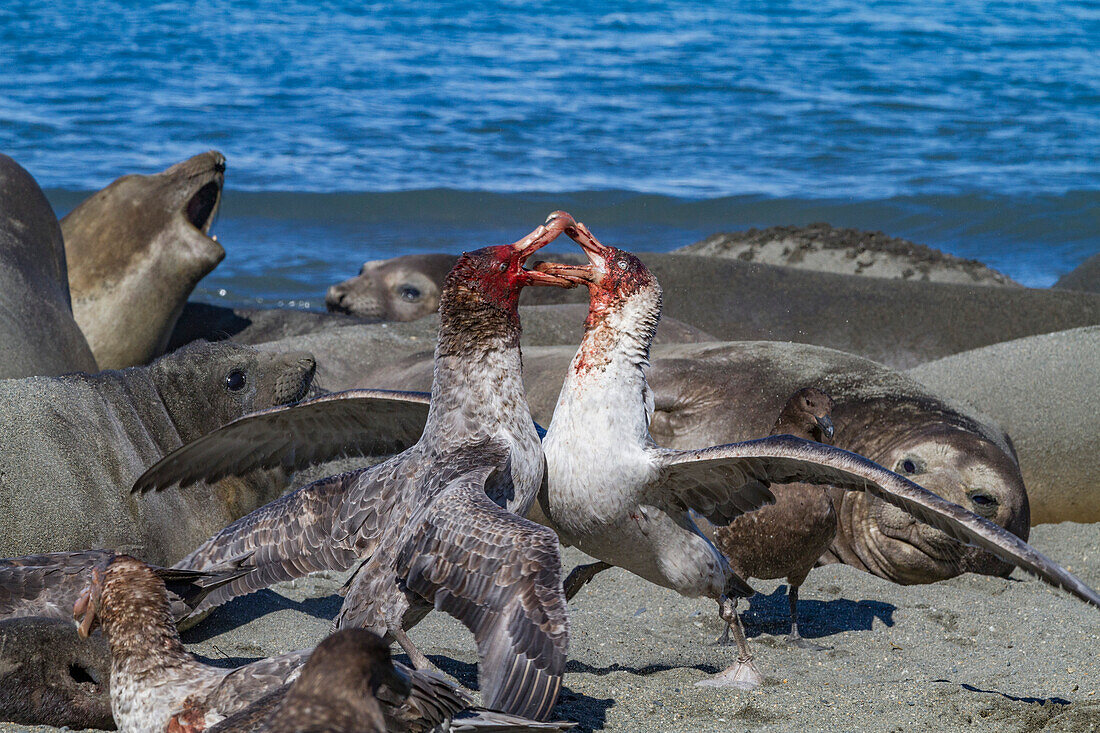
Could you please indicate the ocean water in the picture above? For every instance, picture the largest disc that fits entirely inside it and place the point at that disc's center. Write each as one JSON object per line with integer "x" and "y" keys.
{"x": 355, "y": 131}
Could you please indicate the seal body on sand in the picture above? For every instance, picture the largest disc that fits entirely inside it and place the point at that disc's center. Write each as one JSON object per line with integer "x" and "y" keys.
{"x": 74, "y": 445}
{"x": 1045, "y": 392}
{"x": 896, "y": 322}
{"x": 710, "y": 394}
{"x": 38, "y": 334}
{"x": 49, "y": 676}
{"x": 1085, "y": 277}
{"x": 136, "y": 249}
{"x": 825, "y": 248}
{"x": 398, "y": 289}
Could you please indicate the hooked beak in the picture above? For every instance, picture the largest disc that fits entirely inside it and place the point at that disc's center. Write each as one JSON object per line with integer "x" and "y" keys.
{"x": 556, "y": 223}
{"x": 596, "y": 252}
{"x": 826, "y": 424}
{"x": 84, "y": 610}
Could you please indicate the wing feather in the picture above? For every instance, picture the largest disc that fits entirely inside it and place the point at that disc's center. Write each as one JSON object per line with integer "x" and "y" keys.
{"x": 354, "y": 422}
{"x": 500, "y": 575}
{"x": 718, "y": 481}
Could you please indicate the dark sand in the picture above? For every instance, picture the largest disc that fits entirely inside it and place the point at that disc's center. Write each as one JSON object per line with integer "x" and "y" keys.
{"x": 974, "y": 653}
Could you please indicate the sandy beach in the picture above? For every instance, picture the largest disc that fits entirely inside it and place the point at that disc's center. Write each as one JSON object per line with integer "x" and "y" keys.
{"x": 974, "y": 653}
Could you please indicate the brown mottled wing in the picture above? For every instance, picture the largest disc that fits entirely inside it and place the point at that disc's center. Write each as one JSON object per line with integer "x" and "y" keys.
{"x": 298, "y": 533}
{"x": 355, "y": 422}
{"x": 252, "y": 719}
{"x": 432, "y": 701}
{"x": 787, "y": 459}
{"x": 49, "y": 584}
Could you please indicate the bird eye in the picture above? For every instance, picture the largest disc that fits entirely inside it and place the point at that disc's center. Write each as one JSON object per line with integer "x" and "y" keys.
{"x": 408, "y": 292}
{"x": 503, "y": 266}
{"x": 621, "y": 264}
{"x": 234, "y": 381}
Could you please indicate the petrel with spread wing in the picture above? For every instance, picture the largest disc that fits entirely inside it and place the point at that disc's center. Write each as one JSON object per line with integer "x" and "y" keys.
{"x": 439, "y": 525}
{"x": 618, "y": 496}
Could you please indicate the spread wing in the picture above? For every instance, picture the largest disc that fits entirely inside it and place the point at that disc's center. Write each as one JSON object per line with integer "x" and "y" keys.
{"x": 712, "y": 482}
{"x": 49, "y": 584}
{"x": 355, "y": 422}
{"x": 286, "y": 539}
{"x": 500, "y": 575}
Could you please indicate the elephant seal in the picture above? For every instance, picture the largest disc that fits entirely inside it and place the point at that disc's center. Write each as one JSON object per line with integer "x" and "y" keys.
{"x": 713, "y": 393}
{"x": 1085, "y": 277}
{"x": 346, "y": 348}
{"x": 399, "y": 289}
{"x": 1045, "y": 391}
{"x": 825, "y": 248}
{"x": 38, "y": 335}
{"x": 50, "y": 676}
{"x": 73, "y": 446}
{"x": 897, "y": 322}
{"x": 136, "y": 250}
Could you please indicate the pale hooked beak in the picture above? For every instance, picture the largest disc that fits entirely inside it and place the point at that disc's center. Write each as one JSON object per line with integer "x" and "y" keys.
{"x": 826, "y": 424}
{"x": 596, "y": 252}
{"x": 556, "y": 223}
{"x": 84, "y": 611}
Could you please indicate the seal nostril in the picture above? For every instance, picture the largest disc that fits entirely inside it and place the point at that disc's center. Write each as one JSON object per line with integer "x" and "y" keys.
{"x": 80, "y": 675}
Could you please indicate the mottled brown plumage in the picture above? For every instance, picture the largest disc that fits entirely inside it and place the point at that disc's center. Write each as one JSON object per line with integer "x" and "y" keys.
{"x": 435, "y": 526}
{"x": 785, "y": 539}
{"x": 155, "y": 684}
{"x": 350, "y": 684}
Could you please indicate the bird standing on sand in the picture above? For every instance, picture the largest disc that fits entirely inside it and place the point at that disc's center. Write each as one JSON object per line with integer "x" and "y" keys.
{"x": 616, "y": 495}
{"x": 155, "y": 684}
{"x": 785, "y": 539}
{"x": 436, "y": 526}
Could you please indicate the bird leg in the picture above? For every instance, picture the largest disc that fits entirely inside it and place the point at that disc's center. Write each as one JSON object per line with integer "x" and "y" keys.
{"x": 581, "y": 575}
{"x": 741, "y": 674}
{"x": 794, "y": 637}
{"x": 419, "y": 661}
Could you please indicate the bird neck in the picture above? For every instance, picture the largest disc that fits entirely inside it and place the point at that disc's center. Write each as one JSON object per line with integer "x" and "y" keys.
{"x": 605, "y": 390}
{"x": 477, "y": 382}
{"x": 137, "y": 622}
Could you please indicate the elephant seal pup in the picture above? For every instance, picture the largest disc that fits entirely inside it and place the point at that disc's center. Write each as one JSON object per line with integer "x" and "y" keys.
{"x": 74, "y": 445}
{"x": 825, "y": 248}
{"x": 136, "y": 250}
{"x": 38, "y": 335}
{"x": 1085, "y": 277}
{"x": 399, "y": 289}
{"x": 1045, "y": 392}
{"x": 49, "y": 676}
{"x": 896, "y": 322}
{"x": 710, "y": 394}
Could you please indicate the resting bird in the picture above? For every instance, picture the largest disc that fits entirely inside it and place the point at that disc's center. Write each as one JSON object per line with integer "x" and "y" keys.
{"x": 48, "y": 585}
{"x": 155, "y": 684}
{"x": 626, "y": 501}
{"x": 350, "y": 684}
{"x": 433, "y": 527}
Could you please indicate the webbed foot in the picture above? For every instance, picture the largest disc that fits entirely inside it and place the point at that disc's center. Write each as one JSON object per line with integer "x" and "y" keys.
{"x": 741, "y": 675}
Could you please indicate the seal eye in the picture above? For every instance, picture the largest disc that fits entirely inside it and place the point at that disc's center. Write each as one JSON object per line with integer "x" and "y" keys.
{"x": 983, "y": 500}
{"x": 408, "y": 292}
{"x": 909, "y": 465}
{"x": 234, "y": 381}
{"x": 621, "y": 264}
{"x": 503, "y": 267}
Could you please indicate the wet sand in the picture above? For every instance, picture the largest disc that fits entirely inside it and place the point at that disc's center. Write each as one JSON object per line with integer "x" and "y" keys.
{"x": 974, "y": 653}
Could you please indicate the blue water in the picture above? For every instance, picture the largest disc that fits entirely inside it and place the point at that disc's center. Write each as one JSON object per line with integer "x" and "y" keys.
{"x": 973, "y": 127}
